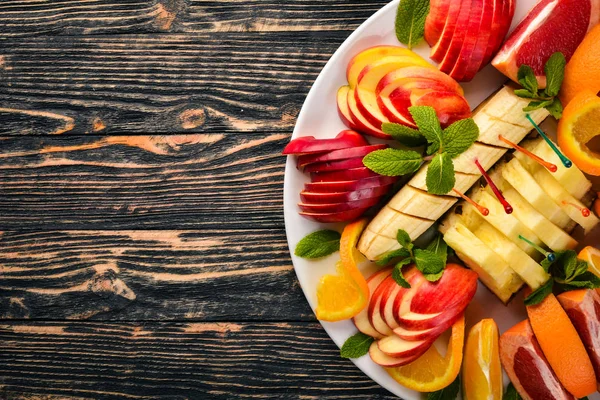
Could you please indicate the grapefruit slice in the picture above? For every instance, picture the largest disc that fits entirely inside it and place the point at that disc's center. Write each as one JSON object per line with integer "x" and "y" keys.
{"x": 551, "y": 26}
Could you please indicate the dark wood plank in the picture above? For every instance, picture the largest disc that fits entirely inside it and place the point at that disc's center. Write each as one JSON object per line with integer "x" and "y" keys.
{"x": 197, "y": 181}
{"x": 149, "y": 275}
{"x": 20, "y": 18}
{"x": 218, "y": 83}
{"x": 176, "y": 361}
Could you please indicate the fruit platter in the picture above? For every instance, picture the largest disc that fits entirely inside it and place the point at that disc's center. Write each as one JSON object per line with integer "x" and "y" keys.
{"x": 441, "y": 199}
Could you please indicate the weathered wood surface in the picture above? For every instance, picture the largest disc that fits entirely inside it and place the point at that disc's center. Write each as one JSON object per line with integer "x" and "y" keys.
{"x": 197, "y": 181}
{"x": 176, "y": 361}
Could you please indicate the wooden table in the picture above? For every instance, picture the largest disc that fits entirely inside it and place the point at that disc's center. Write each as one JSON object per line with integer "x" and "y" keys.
{"x": 142, "y": 244}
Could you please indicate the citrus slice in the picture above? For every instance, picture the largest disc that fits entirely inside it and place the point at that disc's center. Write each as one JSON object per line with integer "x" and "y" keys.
{"x": 482, "y": 373}
{"x": 577, "y": 127}
{"x": 583, "y": 68}
{"x": 592, "y": 256}
{"x": 433, "y": 371}
{"x": 344, "y": 295}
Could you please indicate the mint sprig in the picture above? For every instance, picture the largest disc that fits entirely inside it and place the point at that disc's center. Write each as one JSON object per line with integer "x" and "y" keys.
{"x": 318, "y": 244}
{"x": 511, "y": 393}
{"x": 410, "y": 21}
{"x": 443, "y": 146}
{"x": 543, "y": 98}
{"x": 356, "y": 346}
{"x": 431, "y": 261}
{"x": 450, "y": 392}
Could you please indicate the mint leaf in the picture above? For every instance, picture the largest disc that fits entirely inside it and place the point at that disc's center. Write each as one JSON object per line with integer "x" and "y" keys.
{"x": 356, "y": 346}
{"x": 318, "y": 244}
{"x": 450, "y": 392}
{"x": 539, "y": 294}
{"x": 536, "y": 105}
{"x": 393, "y": 162}
{"x": 403, "y": 134}
{"x": 556, "y": 108}
{"x": 587, "y": 280}
{"x": 440, "y": 177}
{"x": 546, "y": 264}
{"x": 429, "y": 126}
{"x": 397, "y": 273}
{"x": 459, "y": 136}
{"x": 511, "y": 393}
{"x": 526, "y": 94}
{"x": 439, "y": 247}
{"x": 433, "y": 277}
{"x": 385, "y": 258}
{"x": 428, "y": 262}
{"x": 526, "y": 78}
{"x": 410, "y": 21}
{"x": 555, "y": 73}
{"x": 404, "y": 239}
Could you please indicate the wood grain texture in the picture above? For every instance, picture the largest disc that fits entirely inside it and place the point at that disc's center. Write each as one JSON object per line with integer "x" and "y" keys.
{"x": 20, "y": 18}
{"x": 149, "y": 275}
{"x": 176, "y": 361}
{"x": 217, "y": 83}
{"x": 214, "y": 181}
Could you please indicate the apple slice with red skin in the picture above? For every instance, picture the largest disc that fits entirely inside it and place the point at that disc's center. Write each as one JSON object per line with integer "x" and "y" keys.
{"x": 423, "y": 334}
{"x": 345, "y": 175}
{"x": 472, "y": 28}
{"x": 349, "y": 186}
{"x": 343, "y": 197}
{"x": 309, "y": 145}
{"x": 342, "y": 106}
{"x": 527, "y": 367}
{"x": 394, "y": 346}
{"x": 418, "y": 72}
{"x": 386, "y": 307}
{"x": 338, "y": 165}
{"x": 458, "y": 37}
{"x": 449, "y": 106}
{"x": 342, "y": 216}
{"x": 369, "y": 56}
{"x": 380, "y": 358}
{"x": 361, "y": 122}
{"x": 436, "y": 19}
{"x": 583, "y": 309}
{"x": 374, "y": 309}
{"x": 475, "y": 61}
{"x": 361, "y": 320}
{"x": 342, "y": 154}
{"x": 438, "y": 50}
{"x": 500, "y": 26}
{"x": 338, "y": 207}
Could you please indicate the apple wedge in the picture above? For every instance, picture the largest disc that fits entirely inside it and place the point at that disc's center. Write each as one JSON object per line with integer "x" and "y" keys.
{"x": 458, "y": 36}
{"x": 394, "y": 346}
{"x": 472, "y": 30}
{"x": 338, "y": 207}
{"x": 449, "y": 106}
{"x": 343, "y": 109}
{"x": 336, "y": 155}
{"x": 374, "y": 310}
{"x": 361, "y": 122}
{"x": 361, "y": 320}
{"x": 438, "y": 50}
{"x": 436, "y": 20}
{"x": 349, "y": 186}
{"x": 370, "y": 56}
{"x": 338, "y": 165}
{"x": 423, "y": 334}
{"x": 331, "y": 217}
{"x": 309, "y": 145}
{"x": 476, "y": 60}
{"x": 343, "y": 197}
{"x": 380, "y": 358}
{"x": 345, "y": 175}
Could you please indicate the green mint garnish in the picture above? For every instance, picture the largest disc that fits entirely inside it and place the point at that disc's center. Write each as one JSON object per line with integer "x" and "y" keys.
{"x": 429, "y": 126}
{"x": 393, "y": 162}
{"x": 397, "y": 273}
{"x": 385, "y": 258}
{"x": 356, "y": 346}
{"x": 318, "y": 244}
{"x": 511, "y": 393}
{"x": 410, "y": 21}
{"x": 539, "y": 294}
{"x": 459, "y": 136}
{"x": 439, "y": 247}
{"x": 403, "y": 134}
{"x": 546, "y": 98}
{"x": 450, "y": 392}
{"x": 429, "y": 263}
{"x": 440, "y": 177}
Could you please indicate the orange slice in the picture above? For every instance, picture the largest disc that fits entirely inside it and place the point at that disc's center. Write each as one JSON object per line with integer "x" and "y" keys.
{"x": 344, "y": 295}
{"x": 583, "y": 68}
{"x": 433, "y": 371}
{"x": 592, "y": 256}
{"x": 482, "y": 373}
{"x": 577, "y": 127}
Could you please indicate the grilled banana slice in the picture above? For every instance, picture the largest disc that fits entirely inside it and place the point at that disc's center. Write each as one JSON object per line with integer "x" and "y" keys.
{"x": 486, "y": 155}
{"x": 420, "y": 203}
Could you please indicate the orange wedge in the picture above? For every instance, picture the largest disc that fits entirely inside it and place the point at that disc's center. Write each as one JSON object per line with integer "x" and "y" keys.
{"x": 432, "y": 371}
{"x": 482, "y": 372}
{"x": 592, "y": 256}
{"x": 596, "y": 206}
{"x": 344, "y": 295}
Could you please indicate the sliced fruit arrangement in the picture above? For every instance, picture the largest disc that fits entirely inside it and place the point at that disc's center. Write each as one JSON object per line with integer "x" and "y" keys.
{"x": 482, "y": 372}
{"x": 465, "y": 34}
{"x": 341, "y": 187}
{"x": 414, "y": 210}
{"x": 550, "y": 26}
{"x": 384, "y": 81}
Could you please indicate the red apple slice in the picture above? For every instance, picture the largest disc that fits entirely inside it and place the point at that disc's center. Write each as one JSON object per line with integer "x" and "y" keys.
{"x": 346, "y": 175}
{"x": 375, "y": 317}
{"x": 475, "y": 62}
{"x": 339, "y": 165}
{"x": 386, "y": 307}
{"x": 394, "y": 346}
{"x": 361, "y": 122}
{"x": 361, "y": 320}
{"x": 349, "y": 186}
{"x": 417, "y": 72}
{"x": 423, "y": 334}
{"x": 343, "y": 110}
{"x": 338, "y": 207}
{"x": 309, "y": 145}
{"x": 449, "y": 106}
{"x": 384, "y": 360}
{"x": 471, "y": 29}
{"x": 436, "y": 19}
{"x": 439, "y": 49}
{"x": 343, "y": 197}
{"x": 368, "y": 57}
{"x": 342, "y": 216}
{"x": 458, "y": 37}
{"x": 335, "y": 155}
{"x": 503, "y": 14}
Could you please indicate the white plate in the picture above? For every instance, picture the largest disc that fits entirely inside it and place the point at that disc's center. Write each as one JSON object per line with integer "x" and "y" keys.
{"x": 319, "y": 118}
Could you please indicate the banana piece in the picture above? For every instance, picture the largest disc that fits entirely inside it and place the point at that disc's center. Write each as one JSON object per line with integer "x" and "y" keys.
{"x": 420, "y": 203}
{"x": 518, "y": 177}
{"x": 463, "y": 183}
{"x": 572, "y": 179}
{"x": 486, "y": 155}
{"x": 375, "y": 245}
